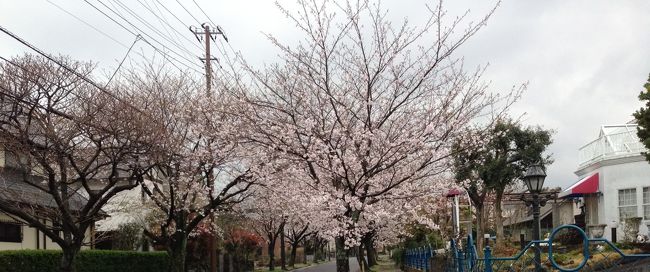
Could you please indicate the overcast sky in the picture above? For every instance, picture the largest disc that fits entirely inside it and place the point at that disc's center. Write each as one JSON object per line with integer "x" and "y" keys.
{"x": 585, "y": 61}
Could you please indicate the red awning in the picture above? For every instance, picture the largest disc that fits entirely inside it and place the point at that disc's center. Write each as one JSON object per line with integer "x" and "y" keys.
{"x": 587, "y": 185}
{"x": 453, "y": 192}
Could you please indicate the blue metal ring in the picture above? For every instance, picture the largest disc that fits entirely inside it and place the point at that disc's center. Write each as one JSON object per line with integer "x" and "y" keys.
{"x": 585, "y": 249}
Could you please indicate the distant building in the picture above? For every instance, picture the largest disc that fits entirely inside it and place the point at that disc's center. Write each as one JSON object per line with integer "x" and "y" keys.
{"x": 518, "y": 218}
{"x": 614, "y": 180}
{"x": 15, "y": 233}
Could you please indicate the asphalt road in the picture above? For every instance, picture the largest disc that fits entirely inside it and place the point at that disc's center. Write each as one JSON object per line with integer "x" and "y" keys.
{"x": 330, "y": 267}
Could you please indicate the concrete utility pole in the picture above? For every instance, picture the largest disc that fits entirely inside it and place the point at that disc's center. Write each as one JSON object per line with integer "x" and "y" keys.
{"x": 207, "y": 34}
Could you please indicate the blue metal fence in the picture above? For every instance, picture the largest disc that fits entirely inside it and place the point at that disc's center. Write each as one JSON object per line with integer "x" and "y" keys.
{"x": 418, "y": 258}
{"x": 597, "y": 255}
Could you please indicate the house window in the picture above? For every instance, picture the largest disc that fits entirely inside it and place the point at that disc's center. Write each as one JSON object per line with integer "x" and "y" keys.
{"x": 627, "y": 203}
{"x": 646, "y": 203}
{"x": 10, "y": 232}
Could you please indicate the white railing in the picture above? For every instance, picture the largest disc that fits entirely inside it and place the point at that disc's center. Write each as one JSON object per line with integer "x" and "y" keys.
{"x": 610, "y": 146}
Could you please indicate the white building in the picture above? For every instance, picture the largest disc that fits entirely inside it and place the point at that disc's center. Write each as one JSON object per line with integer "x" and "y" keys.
{"x": 614, "y": 180}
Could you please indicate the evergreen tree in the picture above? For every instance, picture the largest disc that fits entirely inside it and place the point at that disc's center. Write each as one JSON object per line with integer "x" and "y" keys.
{"x": 642, "y": 117}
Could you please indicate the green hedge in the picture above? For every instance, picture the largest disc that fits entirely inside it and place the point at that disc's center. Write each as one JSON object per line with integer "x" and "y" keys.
{"x": 86, "y": 261}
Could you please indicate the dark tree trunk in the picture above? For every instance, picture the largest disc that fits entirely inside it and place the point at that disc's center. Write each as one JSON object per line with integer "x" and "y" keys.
{"x": 304, "y": 255}
{"x": 342, "y": 262}
{"x": 177, "y": 251}
{"x": 498, "y": 213}
{"x": 292, "y": 259}
{"x": 361, "y": 259}
{"x": 283, "y": 254}
{"x": 481, "y": 224}
{"x": 67, "y": 260}
{"x": 369, "y": 244}
{"x": 272, "y": 255}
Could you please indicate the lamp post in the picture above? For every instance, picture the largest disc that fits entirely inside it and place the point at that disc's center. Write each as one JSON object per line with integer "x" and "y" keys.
{"x": 455, "y": 211}
{"x": 534, "y": 179}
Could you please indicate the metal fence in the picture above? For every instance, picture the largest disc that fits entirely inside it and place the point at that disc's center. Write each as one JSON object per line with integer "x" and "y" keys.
{"x": 418, "y": 258}
{"x": 597, "y": 254}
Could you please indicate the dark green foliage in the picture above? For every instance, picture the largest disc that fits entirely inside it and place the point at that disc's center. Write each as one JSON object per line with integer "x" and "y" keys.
{"x": 420, "y": 236}
{"x": 569, "y": 238}
{"x": 504, "y": 157}
{"x": 642, "y": 117}
{"x": 128, "y": 237}
{"x": 86, "y": 261}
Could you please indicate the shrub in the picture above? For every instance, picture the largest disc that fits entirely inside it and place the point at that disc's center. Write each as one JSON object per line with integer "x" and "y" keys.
{"x": 127, "y": 237}
{"x": 571, "y": 237}
{"x": 86, "y": 261}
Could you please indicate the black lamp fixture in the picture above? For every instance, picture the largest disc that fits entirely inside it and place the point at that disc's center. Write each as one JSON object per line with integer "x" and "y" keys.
{"x": 534, "y": 178}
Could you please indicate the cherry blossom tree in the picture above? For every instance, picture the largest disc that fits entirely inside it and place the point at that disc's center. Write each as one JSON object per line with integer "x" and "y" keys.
{"x": 65, "y": 154}
{"x": 198, "y": 164}
{"x": 365, "y": 111}
{"x": 297, "y": 231}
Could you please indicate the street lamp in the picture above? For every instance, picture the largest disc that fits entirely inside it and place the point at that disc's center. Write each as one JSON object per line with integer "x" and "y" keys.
{"x": 534, "y": 179}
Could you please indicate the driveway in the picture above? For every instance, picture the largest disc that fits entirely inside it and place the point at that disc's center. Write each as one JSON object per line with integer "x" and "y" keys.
{"x": 330, "y": 267}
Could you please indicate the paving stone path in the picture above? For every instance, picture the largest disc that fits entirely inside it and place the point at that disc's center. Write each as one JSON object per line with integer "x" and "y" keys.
{"x": 330, "y": 267}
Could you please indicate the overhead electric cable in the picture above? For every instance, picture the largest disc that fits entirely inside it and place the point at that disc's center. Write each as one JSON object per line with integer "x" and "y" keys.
{"x": 188, "y": 12}
{"x": 154, "y": 29}
{"x": 62, "y": 65}
{"x": 206, "y": 15}
{"x": 137, "y": 38}
{"x": 166, "y": 55}
{"x": 143, "y": 32}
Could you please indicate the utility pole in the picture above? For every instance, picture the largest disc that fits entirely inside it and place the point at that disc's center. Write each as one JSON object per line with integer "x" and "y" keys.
{"x": 205, "y": 33}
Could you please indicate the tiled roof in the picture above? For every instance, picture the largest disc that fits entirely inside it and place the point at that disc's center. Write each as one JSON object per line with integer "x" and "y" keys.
{"x": 13, "y": 187}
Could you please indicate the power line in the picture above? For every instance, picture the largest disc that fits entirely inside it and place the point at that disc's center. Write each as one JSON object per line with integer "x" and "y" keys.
{"x": 178, "y": 19}
{"x": 50, "y": 109}
{"x": 88, "y": 24}
{"x": 137, "y": 38}
{"x": 143, "y": 39}
{"x": 83, "y": 77}
{"x": 143, "y": 32}
{"x": 95, "y": 28}
{"x": 154, "y": 29}
{"x": 206, "y": 15}
{"x": 163, "y": 20}
{"x": 188, "y": 12}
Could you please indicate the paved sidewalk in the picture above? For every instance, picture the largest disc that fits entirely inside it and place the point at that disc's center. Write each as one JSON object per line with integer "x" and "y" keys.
{"x": 330, "y": 267}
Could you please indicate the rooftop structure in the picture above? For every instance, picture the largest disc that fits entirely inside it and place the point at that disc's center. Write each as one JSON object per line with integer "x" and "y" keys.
{"x": 613, "y": 142}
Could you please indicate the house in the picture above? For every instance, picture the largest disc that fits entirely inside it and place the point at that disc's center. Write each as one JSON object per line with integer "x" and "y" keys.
{"x": 518, "y": 218}
{"x": 614, "y": 180}
{"x": 16, "y": 234}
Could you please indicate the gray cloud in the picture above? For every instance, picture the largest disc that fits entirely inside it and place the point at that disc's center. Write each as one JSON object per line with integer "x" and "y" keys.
{"x": 585, "y": 61}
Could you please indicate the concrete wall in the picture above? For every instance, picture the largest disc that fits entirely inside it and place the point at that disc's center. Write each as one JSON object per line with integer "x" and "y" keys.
{"x": 613, "y": 177}
{"x": 563, "y": 212}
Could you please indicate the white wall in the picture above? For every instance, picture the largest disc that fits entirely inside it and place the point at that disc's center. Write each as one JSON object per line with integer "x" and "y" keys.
{"x": 621, "y": 176}
{"x": 29, "y": 238}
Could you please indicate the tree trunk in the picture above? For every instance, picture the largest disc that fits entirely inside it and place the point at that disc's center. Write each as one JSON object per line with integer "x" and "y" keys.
{"x": 67, "y": 260}
{"x": 342, "y": 262}
{"x": 292, "y": 259}
{"x": 480, "y": 228}
{"x": 272, "y": 255}
{"x": 498, "y": 213}
{"x": 283, "y": 254}
{"x": 304, "y": 255}
{"x": 363, "y": 265}
{"x": 369, "y": 244}
{"x": 177, "y": 251}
